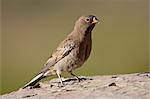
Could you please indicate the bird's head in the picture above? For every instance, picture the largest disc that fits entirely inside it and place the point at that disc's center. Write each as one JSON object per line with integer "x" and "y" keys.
{"x": 86, "y": 23}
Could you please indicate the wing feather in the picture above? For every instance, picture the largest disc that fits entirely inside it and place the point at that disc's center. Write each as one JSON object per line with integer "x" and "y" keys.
{"x": 62, "y": 50}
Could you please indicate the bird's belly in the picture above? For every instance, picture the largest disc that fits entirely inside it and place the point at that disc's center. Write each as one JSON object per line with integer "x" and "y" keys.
{"x": 68, "y": 63}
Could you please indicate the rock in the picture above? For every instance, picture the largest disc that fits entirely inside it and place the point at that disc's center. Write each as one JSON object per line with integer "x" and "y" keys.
{"x": 127, "y": 86}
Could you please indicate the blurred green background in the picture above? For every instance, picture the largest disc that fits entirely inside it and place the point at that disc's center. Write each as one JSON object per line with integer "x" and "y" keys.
{"x": 32, "y": 29}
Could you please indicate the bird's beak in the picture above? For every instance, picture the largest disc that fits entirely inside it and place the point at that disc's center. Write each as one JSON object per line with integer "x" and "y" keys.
{"x": 95, "y": 20}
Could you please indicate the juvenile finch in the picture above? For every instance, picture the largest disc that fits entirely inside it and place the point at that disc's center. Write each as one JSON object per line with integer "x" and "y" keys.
{"x": 71, "y": 53}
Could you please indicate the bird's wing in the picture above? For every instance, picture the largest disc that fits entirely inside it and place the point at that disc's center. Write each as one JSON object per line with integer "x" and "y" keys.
{"x": 62, "y": 50}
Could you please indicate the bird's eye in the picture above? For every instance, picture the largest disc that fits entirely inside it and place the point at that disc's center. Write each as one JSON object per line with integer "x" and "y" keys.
{"x": 87, "y": 20}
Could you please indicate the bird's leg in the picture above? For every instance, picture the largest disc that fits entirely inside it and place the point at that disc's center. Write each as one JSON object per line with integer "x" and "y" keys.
{"x": 59, "y": 76}
{"x": 75, "y": 76}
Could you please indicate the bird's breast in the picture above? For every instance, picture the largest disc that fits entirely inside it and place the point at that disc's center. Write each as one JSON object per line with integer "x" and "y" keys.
{"x": 85, "y": 48}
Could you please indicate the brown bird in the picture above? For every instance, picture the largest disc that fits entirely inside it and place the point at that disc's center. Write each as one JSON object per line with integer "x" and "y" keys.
{"x": 71, "y": 53}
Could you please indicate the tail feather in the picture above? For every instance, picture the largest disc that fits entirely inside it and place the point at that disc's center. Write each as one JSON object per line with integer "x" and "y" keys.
{"x": 34, "y": 80}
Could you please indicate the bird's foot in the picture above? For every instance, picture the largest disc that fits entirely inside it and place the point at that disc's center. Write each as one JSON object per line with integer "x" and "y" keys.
{"x": 61, "y": 84}
{"x": 79, "y": 79}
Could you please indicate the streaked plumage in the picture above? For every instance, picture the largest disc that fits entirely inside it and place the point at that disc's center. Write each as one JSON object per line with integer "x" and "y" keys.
{"x": 71, "y": 53}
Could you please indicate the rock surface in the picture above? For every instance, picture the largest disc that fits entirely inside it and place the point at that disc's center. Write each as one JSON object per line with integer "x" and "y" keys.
{"x": 127, "y": 86}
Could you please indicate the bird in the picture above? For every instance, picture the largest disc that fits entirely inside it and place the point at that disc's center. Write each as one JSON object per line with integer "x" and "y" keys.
{"x": 71, "y": 53}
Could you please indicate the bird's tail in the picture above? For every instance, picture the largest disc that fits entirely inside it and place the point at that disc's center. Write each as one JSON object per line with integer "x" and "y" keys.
{"x": 34, "y": 80}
